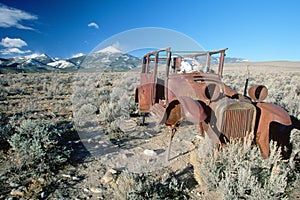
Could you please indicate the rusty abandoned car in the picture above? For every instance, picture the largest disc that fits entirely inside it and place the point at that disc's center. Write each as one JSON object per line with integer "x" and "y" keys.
{"x": 178, "y": 86}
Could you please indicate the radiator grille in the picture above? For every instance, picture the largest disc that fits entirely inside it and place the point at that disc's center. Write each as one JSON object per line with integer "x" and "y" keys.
{"x": 237, "y": 119}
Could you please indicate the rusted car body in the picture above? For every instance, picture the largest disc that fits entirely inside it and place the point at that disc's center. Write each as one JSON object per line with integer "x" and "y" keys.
{"x": 197, "y": 94}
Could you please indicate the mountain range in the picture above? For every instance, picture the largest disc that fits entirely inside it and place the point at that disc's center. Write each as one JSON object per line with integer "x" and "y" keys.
{"x": 107, "y": 59}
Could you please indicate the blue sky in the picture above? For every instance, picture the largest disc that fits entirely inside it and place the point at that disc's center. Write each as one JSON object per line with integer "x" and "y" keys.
{"x": 258, "y": 30}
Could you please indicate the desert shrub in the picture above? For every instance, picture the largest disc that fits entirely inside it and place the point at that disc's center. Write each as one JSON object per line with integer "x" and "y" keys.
{"x": 3, "y": 93}
{"x": 34, "y": 156}
{"x": 35, "y": 147}
{"x": 103, "y": 94}
{"x": 104, "y": 99}
{"x": 282, "y": 91}
{"x": 87, "y": 109}
{"x": 85, "y": 101}
{"x": 117, "y": 102}
{"x": 295, "y": 156}
{"x": 107, "y": 112}
{"x": 85, "y": 116}
{"x": 17, "y": 89}
{"x": 114, "y": 127}
{"x": 124, "y": 93}
{"x": 3, "y": 136}
{"x": 3, "y": 82}
{"x": 237, "y": 171}
{"x": 121, "y": 99}
{"x": 142, "y": 186}
{"x": 4, "y": 132}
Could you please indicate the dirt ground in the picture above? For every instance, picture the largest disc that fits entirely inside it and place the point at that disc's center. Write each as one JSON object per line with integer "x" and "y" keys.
{"x": 132, "y": 154}
{"x": 100, "y": 158}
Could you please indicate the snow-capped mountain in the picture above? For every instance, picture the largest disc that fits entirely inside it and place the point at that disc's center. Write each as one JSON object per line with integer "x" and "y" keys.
{"x": 78, "y": 55}
{"x": 61, "y": 64}
{"x": 35, "y": 59}
{"x": 109, "y": 49}
{"x": 110, "y": 59}
{"x": 107, "y": 59}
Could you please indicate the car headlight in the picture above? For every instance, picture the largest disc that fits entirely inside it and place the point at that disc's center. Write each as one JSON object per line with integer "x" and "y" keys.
{"x": 212, "y": 91}
{"x": 258, "y": 92}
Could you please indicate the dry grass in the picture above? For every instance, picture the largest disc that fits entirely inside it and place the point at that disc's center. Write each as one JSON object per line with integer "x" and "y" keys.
{"x": 89, "y": 100}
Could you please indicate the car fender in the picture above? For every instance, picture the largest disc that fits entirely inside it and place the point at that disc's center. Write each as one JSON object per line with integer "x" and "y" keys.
{"x": 192, "y": 110}
{"x": 269, "y": 113}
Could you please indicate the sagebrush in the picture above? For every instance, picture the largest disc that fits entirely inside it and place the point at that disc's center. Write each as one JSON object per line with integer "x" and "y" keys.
{"x": 237, "y": 171}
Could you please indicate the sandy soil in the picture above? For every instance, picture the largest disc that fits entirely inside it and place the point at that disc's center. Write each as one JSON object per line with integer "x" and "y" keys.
{"x": 143, "y": 150}
{"x": 131, "y": 154}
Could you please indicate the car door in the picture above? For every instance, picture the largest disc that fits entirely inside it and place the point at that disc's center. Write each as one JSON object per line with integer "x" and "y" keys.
{"x": 146, "y": 89}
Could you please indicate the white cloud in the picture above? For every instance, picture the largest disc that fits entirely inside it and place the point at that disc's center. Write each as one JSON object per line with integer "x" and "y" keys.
{"x": 12, "y": 42}
{"x": 11, "y": 17}
{"x": 93, "y": 24}
{"x": 10, "y": 51}
{"x": 12, "y": 46}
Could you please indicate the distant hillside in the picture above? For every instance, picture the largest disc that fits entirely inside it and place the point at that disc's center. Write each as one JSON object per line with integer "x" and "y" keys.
{"x": 234, "y": 60}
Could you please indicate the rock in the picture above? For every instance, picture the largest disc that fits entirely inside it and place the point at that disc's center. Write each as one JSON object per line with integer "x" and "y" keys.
{"x": 148, "y": 134}
{"x": 95, "y": 190}
{"x": 124, "y": 156}
{"x": 43, "y": 195}
{"x": 109, "y": 176}
{"x": 75, "y": 178}
{"x": 14, "y": 185}
{"x": 66, "y": 175}
{"x": 16, "y": 193}
{"x": 98, "y": 137}
{"x": 86, "y": 190}
{"x": 149, "y": 152}
{"x": 41, "y": 180}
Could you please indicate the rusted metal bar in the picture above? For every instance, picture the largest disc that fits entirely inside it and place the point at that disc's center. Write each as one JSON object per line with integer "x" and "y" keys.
{"x": 155, "y": 76}
{"x": 203, "y": 53}
{"x": 169, "y": 54}
{"x": 154, "y": 52}
{"x": 147, "y": 64}
{"x": 207, "y": 65}
{"x": 221, "y": 64}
